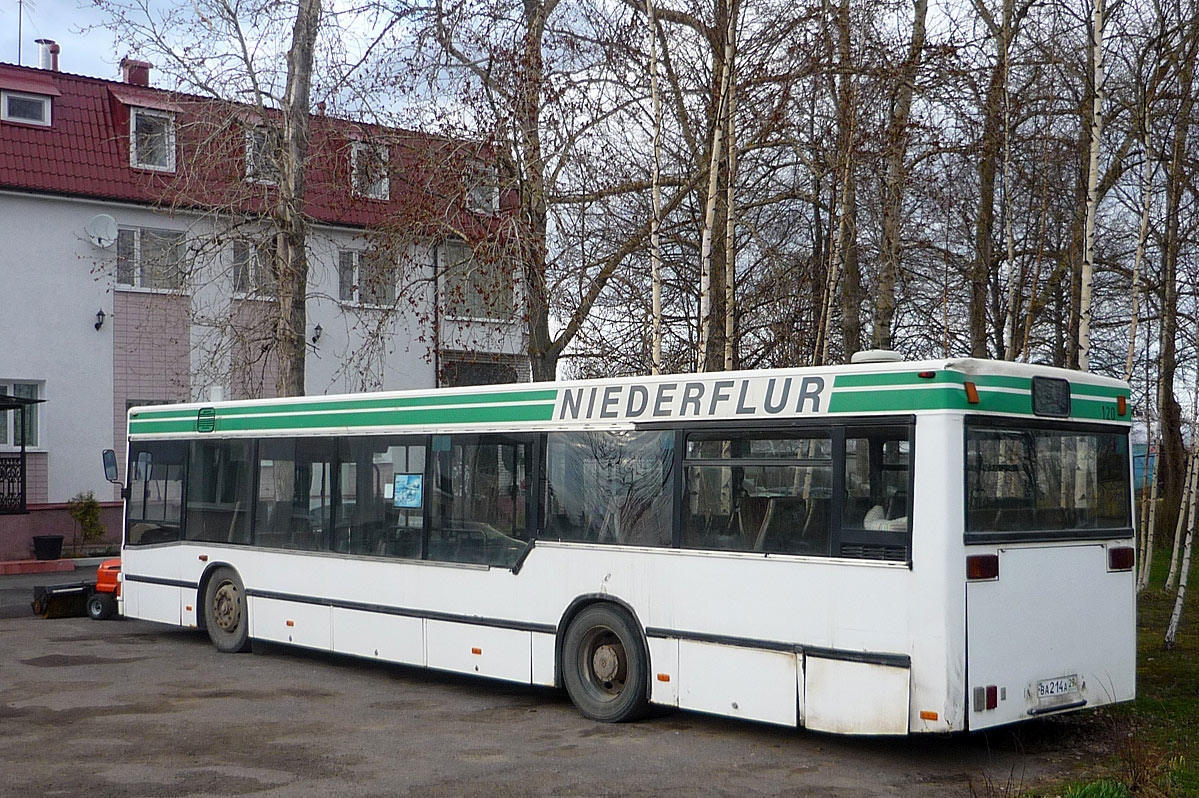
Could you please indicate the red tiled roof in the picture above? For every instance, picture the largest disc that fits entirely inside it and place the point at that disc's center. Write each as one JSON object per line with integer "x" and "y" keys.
{"x": 85, "y": 153}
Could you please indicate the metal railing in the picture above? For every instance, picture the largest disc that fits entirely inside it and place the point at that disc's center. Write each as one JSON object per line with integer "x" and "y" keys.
{"x": 12, "y": 484}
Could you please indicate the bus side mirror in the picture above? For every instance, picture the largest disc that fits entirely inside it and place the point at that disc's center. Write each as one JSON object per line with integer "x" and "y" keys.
{"x": 110, "y": 471}
{"x": 110, "y": 466}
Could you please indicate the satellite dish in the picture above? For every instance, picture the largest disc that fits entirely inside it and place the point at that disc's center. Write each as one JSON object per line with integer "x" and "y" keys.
{"x": 101, "y": 230}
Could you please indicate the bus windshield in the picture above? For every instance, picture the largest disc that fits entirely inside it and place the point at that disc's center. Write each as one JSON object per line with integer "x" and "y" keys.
{"x": 1052, "y": 480}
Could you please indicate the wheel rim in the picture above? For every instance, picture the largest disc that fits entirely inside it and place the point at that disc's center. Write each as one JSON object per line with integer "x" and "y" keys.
{"x": 226, "y": 607}
{"x": 603, "y": 664}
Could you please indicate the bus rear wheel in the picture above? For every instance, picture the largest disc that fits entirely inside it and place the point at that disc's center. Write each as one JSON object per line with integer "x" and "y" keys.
{"x": 225, "y": 613}
{"x": 604, "y": 665}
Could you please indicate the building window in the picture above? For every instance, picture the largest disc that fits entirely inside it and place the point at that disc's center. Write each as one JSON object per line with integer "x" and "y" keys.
{"x": 473, "y": 288}
{"x": 32, "y": 109}
{"x": 482, "y": 188}
{"x": 11, "y": 433}
{"x": 262, "y": 155}
{"x": 152, "y": 140}
{"x": 254, "y": 268}
{"x": 365, "y": 278}
{"x": 150, "y": 259}
{"x": 369, "y": 168}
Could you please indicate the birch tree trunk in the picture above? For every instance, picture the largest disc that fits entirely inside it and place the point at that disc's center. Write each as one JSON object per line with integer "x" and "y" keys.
{"x": 1088, "y": 247}
{"x": 1186, "y": 521}
{"x": 1180, "y": 598}
{"x": 705, "y": 254}
{"x": 730, "y": 236}
{"x": 292, "y": 241}
{"x": 655, "y": 229}
{"x": 1142, "y": 236}
{"x": 846, "y": 241}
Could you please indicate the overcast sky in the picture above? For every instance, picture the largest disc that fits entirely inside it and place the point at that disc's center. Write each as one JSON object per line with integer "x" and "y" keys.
{"x": 61, "y": 20}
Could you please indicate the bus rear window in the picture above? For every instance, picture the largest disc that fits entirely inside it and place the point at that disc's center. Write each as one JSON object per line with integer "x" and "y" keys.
{"x": 1046, "y": 481}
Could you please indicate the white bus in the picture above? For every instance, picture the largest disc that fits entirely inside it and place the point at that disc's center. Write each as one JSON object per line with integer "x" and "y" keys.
{"x": 880, "y": 548}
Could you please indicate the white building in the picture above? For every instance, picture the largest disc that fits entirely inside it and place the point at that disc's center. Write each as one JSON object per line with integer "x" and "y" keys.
{"x": 130, "y": 272}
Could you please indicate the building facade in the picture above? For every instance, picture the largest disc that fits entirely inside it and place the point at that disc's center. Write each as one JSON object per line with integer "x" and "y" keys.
{"x": 137, "y": 265}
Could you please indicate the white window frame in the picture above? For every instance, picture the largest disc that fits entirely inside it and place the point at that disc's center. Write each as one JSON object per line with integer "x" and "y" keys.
{"x": 482, "y": 179}
{"x": 11, "y": 418}
{"x": 169, "y": 118}
{"x": 460, "y": 310}
{"x": 256, "y": 253}
{"x": 380, "y": 189}
{"x": 259, "y": 154}
{"x": 138, "y": 266}
{"x": 356, "y": 293}
{"x": 46, "y": 102}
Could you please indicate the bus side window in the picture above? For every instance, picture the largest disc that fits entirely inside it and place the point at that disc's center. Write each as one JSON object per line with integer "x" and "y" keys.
{"x": 381, "y": 496}
{"x": 218, "y": 491}
{"x": 760, "y": 491}
{"x": 875, "y": 512}
{"x": 295, "y": 506}
{"x": 480, "y": 501}
{"x": 155, "y": 506}
{"x": 609, "y": 487}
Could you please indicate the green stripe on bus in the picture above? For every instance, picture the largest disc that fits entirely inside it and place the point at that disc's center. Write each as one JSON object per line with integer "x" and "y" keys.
{"x": 899, "y": 379}
{"x": 350, "y": 420}
{"x": 359, "y": 404}
{"x": 947, "y": 397}
{"x": 1098, "y": 390}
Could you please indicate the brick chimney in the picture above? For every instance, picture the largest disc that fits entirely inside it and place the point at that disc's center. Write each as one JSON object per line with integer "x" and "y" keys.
{"x": 47, "y": 57}
{"x": 136, "y": 73}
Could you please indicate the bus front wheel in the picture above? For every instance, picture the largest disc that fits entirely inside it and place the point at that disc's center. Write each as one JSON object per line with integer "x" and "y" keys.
{"x": 225, "y": 612}
{"x": 604, "y": 665}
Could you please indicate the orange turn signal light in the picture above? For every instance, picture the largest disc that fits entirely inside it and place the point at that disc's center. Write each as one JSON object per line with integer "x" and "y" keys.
{"x": 927, "y": 715}
{"x": 664, "y": 677}
{"x": 971, "y": 393}
{"x": 1121, "y": 405}
{"x": 476, "y": 651}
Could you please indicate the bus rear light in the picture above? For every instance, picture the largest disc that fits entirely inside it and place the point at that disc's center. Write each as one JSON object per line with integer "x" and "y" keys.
{"x": 927, "y": 375}
{"x": 971, "y": 393}
{"x": 1121, "y": 558}
{"x": 982, "y": 566}
{"x": 986, "y": 697}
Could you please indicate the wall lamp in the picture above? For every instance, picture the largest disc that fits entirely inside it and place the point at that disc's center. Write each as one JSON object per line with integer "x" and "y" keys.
{"x": 316, "y": 333}
{"x": 99, "y": 318}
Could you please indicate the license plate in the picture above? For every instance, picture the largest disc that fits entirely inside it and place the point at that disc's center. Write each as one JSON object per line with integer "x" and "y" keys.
{"x": 1062, "y": 685}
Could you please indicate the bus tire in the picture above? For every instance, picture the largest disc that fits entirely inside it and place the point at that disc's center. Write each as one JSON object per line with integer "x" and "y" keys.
{"x": 225, "y": 614}
{"x": 101, "y": 606}
{"x": 605, "y": 665}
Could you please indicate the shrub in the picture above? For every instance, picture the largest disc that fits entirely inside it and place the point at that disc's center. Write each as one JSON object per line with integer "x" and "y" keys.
{"x": 85, "y": 511}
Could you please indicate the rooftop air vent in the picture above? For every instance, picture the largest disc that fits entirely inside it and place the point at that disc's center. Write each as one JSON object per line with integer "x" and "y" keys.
{"x": 876, "y": 356}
